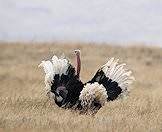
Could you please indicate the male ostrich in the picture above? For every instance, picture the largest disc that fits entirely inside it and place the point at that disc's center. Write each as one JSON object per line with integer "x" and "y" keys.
{"x": 63, "y": 84}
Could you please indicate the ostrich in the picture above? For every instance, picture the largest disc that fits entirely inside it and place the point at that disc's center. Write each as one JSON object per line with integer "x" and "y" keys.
{"x": 63, "y": 84}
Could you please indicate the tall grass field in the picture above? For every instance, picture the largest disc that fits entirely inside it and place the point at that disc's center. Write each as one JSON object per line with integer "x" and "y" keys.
{"x": 24, "y": 105}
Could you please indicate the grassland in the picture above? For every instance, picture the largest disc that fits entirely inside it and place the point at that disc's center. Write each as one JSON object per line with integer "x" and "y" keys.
{"x": 25, "y": 107}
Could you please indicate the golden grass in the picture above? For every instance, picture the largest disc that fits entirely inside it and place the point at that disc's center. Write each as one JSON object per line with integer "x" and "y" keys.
{"x": 25, "y": 107}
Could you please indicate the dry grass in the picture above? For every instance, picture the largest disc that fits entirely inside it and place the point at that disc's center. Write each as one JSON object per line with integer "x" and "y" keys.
{"x": 24, "y": 106}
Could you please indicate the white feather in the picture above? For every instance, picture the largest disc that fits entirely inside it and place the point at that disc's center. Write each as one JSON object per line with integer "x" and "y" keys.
{"x": 60, "y": 66}
{"x": 47, "y": 66}
{"x": 49, "y": 72}
{"x": 51, "y": 68}
{"x": 92, "y": 92}
{"x": 117, "y": 72}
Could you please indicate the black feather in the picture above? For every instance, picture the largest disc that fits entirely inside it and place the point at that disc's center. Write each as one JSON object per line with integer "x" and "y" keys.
{"x": 112, "y": 88}
{"x": 72, "y": 88}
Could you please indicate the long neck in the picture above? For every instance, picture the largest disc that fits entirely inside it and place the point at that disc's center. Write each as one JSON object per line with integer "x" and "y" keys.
{"x": 78, "y": 65}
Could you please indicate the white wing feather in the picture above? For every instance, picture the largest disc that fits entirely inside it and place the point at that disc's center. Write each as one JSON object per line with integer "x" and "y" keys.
{"x": 117, "y": 72}
{"x": 51, "y": 68}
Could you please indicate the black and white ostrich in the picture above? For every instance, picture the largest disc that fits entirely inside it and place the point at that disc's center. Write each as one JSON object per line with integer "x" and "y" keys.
{"x": 63, "y": 84}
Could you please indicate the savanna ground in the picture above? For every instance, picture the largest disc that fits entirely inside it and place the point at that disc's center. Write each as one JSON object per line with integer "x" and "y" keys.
{"x": 25, "y": 107}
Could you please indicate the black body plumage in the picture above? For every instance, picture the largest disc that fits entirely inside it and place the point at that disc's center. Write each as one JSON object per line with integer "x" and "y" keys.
{"x": 71, "y": 88}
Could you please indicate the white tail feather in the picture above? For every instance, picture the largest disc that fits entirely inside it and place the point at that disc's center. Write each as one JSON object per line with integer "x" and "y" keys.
{"x": 118, "y": 73}
{"x": 92, "y": 92}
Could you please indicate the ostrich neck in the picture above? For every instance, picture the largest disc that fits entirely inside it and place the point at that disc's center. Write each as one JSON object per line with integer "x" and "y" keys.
{"x": 78, "y": 65}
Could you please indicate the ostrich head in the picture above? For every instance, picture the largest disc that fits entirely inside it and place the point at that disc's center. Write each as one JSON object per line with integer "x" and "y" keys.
{"x": 78, "y": 62}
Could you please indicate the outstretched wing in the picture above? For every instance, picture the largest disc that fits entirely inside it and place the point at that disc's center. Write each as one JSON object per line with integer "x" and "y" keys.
{"x": 114, "y": 77}
{"x": 110, "y": 82}
{"x": 61, "y": 81}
